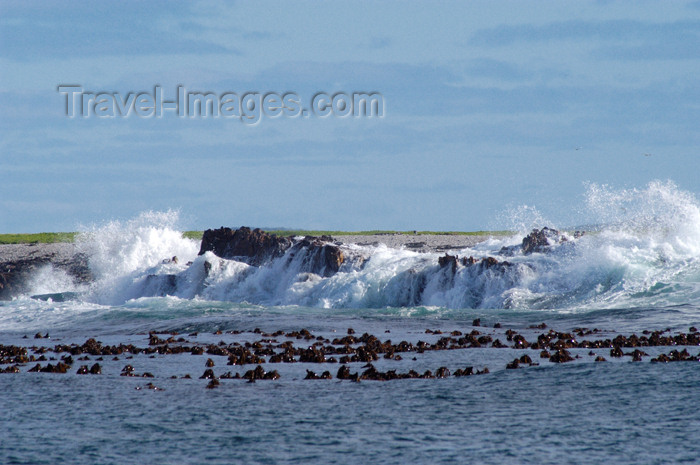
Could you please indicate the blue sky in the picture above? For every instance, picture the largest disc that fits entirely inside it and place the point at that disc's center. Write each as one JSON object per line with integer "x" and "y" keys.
{"x": 489, "y": 106}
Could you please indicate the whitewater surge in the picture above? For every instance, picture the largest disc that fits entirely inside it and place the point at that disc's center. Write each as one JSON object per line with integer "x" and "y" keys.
{"x": 642, "y": 248}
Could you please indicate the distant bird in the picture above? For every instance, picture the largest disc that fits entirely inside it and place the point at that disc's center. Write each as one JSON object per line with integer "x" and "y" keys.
{"x": 647, "y": 154}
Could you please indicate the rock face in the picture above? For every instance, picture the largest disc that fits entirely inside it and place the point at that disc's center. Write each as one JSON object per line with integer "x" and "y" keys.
{"x": 251, "y": 246}
{"x": 256, "y": 247}
{"x": 451, "y": 261}
{"x": 539, "y": 240}
{"x": 19, "y": 261}
{"x": 448, "y": 261}
{"x": 318, "y": 256}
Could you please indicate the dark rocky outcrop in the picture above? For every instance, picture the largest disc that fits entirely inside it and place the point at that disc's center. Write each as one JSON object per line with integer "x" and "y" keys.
{"x": 561, "y": 356}
{"x": 677, "y": 356}
{"x": 513, "y": 365}
{"x": 15, "y": 274}
{"x": 60, "y": 367}
{"x": 260, "y": 373}
{"x": 539, "y": 240}
{"x": 451, "y": 262}
{"x": 468, "y": 371}
{"x": 318, "y": 256}
{"x": 213, "y": 384}
{"x": 312, "y": 375}
{"x": 254, "y": 247}
{"x": 448, "y": 261}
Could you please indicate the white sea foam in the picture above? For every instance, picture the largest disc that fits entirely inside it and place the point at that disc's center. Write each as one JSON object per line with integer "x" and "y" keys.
{"x": 122, "y": 255}
{"x": 49, "y": 280}
{"x": 643, "y": 250}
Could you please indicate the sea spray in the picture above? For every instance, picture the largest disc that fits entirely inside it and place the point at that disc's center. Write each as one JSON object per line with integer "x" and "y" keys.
{"x": 49, "y": 280}
{"x": 642, "y": 248}
{"x": 122, "y": 254}
{"x": 122, "y": 247}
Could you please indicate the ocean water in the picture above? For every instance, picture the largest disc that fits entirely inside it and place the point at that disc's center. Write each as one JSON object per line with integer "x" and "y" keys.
{"x": 637, "y": 269}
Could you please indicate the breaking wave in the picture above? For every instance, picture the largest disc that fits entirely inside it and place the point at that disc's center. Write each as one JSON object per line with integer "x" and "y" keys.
{"x": 641, "y": 248}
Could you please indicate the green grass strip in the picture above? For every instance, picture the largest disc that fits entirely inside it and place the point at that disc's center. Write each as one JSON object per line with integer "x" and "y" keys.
{"x": 37, "y": 238}
{"x": 50, "y": 238}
